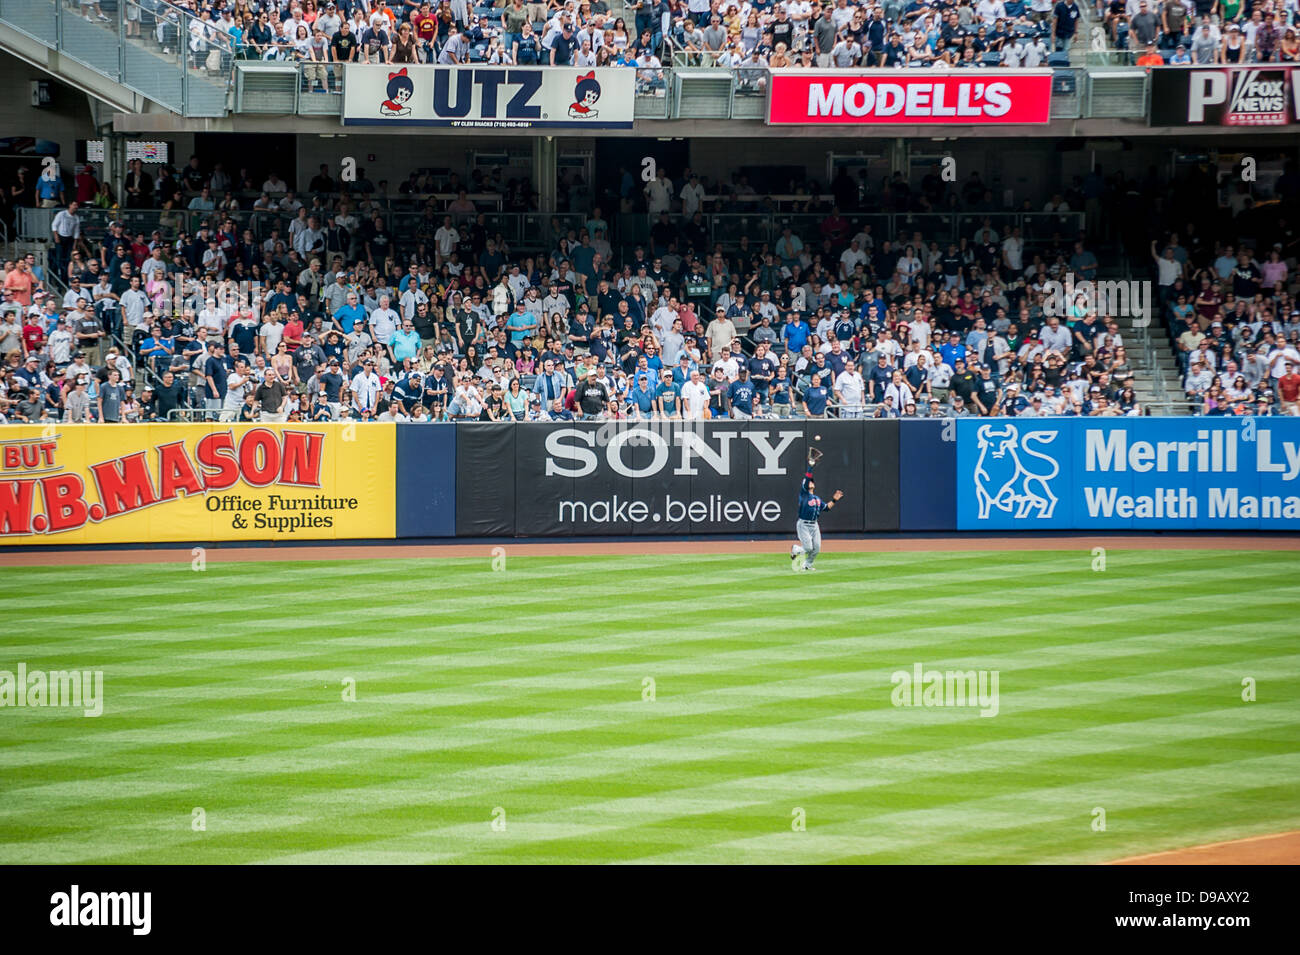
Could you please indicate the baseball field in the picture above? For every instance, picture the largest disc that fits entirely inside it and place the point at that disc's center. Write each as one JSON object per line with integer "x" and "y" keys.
{"x": 653, "y": 707}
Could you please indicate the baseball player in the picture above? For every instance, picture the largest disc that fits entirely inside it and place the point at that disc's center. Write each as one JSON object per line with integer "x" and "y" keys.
{"x": 809, "y": 531}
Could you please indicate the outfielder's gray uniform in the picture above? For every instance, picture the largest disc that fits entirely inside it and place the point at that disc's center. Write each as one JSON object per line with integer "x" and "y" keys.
{"x": 810, "y": 539}
{"x": 806, "y": 527}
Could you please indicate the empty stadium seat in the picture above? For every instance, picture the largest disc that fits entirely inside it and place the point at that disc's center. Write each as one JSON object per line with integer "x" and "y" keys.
{"x": 1058, "y": 60}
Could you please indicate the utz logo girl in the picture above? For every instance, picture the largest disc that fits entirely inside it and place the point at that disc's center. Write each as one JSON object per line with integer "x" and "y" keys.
{"x": 585, "y": 95}
{"x": 400, "y": 89}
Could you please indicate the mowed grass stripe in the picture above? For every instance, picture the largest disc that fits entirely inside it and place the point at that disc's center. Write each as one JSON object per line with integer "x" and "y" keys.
{"x": 565, "y": 710}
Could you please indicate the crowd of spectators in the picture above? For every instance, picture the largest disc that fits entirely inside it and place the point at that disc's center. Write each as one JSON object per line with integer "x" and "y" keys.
{"x": 1235, "y": 325}
{"x": 323, "y": 316}
{"x": 751, "y": 37}
{"x": 1204, "y": 32}
{"x": 586, "y": 33}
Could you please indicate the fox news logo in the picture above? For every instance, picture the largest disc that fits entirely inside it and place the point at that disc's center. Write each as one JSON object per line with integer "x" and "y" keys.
{"x": 1246, "y": 97}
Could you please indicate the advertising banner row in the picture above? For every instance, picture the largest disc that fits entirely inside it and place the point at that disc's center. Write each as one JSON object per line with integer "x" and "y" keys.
{"x": 527, "y": 97}
{"x": 86, "y": 484}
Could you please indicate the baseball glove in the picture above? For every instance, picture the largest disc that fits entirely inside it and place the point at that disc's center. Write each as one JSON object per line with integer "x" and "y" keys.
{"x": 814, "y": 456}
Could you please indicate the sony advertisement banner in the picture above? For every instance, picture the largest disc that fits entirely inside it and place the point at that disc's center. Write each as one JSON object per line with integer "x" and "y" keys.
{"x": 488, "y": 97}
{"x": 672, "y": 477}
{"x": 923, "y": 97}
{"x": 1261, "y": 95}
{"x": 1209, "y": 473}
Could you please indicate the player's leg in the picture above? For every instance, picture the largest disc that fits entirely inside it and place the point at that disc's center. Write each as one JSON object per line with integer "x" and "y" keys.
{"x": 813, "y": 547}
{"x": 799, "y": 550}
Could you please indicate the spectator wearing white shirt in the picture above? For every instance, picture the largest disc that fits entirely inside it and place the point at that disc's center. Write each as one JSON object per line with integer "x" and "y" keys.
{"x": 695, "y": 398}
{"x": 366, "y": 387}
{"x": 692, "y": 197}
{"x": 851, "y": 258}
{"x": 990, "y": 11}
{"x": 851, "y": 391}
{"x": 411, "y": 300}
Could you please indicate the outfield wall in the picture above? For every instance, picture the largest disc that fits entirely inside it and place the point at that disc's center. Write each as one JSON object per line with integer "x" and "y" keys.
{"x": 89, "y": 484}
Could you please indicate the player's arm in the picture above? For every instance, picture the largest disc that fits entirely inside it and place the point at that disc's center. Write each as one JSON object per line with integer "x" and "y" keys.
{"x": 808, "y": 473}
{"x": 834, "y": 497}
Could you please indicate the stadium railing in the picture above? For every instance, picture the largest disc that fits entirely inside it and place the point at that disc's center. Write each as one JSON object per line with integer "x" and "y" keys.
{"x": 160, "y": 63}
{"x": 541, "y": 231}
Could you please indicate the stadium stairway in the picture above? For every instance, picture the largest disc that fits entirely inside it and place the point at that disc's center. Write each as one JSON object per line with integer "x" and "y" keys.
{"x": 133, "y": 74}
{"x": 1156, "y": 380}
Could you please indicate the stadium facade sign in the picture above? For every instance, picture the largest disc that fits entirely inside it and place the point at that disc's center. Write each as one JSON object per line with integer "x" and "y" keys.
{"x": 633, "y": 478}
{"x": 926, "y": 97}
{"x": 90, "y": 484}
{"x": 488, "y": 97}
{"x": 1171, "y": 473}
{"x": 1258, "y": 95}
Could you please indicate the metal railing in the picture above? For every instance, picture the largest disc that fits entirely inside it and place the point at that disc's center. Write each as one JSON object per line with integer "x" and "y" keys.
{"x": 150, "y": 47}
{"x": 535, "y": 231}
{"x": 521, "y": 230}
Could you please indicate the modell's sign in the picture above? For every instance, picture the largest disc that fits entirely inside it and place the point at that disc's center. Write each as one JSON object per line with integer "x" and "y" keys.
{"x": 964, "y": 97}
{"x": 1225, "y": 96}
{"x": 146, "y": 483}
{"x": 488, "y": 97}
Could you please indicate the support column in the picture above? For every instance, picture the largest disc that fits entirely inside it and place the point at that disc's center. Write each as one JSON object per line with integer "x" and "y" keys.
{"x": 115, "y": 164}
{"x": 113, "y": 169}
{"x": 545, "y": 171}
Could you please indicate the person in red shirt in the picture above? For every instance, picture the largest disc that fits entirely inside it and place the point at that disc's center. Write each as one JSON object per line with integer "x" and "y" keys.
{"x": 140, "y": 249}
{"x": 1288, "y": 387}
{"x": 293, "y": 332}
{"x": 87, "y": 186}
{"x": 426, "y": 24}
{"x": 33, "y": 334}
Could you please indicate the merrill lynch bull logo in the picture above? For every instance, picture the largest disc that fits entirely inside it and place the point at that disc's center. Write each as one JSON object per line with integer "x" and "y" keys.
{"x": 1012, "y": 476}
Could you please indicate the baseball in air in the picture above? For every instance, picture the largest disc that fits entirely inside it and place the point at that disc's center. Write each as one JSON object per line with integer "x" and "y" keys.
{"x": 817, "y": 437}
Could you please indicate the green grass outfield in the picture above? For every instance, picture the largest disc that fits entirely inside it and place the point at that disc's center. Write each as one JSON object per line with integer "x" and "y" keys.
{"x": 522, "y": 690}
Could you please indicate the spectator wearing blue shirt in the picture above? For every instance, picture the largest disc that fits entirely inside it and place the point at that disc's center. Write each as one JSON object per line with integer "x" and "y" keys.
{"x": 952, "y": 351}
{"x": 815, "y": 398}
{"x": 521, "y": 323}
{"x": 642, "y": 395}
{"x": 157, "y": 350}
{"x": 1083, "y": 263}
{"x": 350, "y": 315}
{"x": 795, "y": 334}
{"x": 405, "y": 343}
{"x": 49, "y": 189}
{"x": 682, "y": 370}
{"x": 879, "y": 376}
{"x": 668, "y": 399}
{"x": 873, "y": 310}
{"x": 740, "y": 396}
